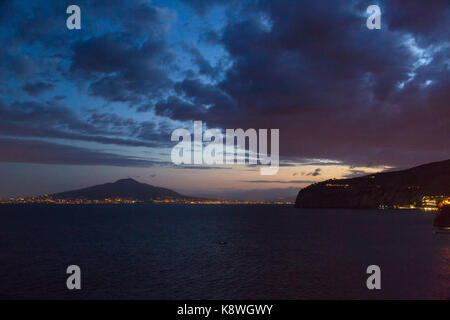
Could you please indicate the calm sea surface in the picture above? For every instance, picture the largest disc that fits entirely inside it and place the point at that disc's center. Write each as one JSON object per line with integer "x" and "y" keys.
{"x": 173, "y": 252}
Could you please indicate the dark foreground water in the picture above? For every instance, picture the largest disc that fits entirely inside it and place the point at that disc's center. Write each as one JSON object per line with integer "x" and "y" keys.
{"x": 172, "y": 252}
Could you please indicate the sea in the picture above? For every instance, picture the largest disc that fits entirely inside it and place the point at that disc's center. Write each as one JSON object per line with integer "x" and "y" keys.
{"x": 175, "y": 251}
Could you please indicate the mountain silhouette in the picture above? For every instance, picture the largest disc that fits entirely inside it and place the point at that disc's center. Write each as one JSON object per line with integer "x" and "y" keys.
{"x": 124, "y": 188}
{"x": 386, "y": 188}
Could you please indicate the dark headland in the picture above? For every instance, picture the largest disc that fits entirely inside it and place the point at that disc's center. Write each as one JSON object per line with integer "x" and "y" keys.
{"x": 386, "y": 189}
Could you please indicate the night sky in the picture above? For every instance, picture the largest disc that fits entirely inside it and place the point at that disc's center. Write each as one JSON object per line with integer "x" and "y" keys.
{"x": 89, "y": 106}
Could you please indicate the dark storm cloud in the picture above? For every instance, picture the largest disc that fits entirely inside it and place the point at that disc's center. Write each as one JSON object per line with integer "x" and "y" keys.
{"x": 103, "y": 54}
{"x": 429, "y": 20}
{"x": 202, "y": 93}
{"x": 33, "y": 119}
{"x": 14, "y": 64}
{"x": 41, "y": 115}
{"x": 113, "y": 123}
{"x": 204, "y": 66}
{"x": 127, "y": 65}
{"x": 202, "y": 7}
{"x": 36, "y": 88}
{"x": 177, "y": 109}
{"x": 335, "y": 89}
{"x": 124, "y": 71}
{"x": 35, "y": 151}
{"x": 44, "y": 21}
{"x": 196, "y": 101}
{"x": 312, "y": 69}
{"x": 209, "y": 99}
{"x": 145, "y": 20}
{"x": 314, "y": 173}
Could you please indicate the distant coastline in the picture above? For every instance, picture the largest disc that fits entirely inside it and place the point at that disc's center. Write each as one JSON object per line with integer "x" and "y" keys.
{"x": 423, "y": 187}
{"x": 74, "y": 203}
{"x": 125, "y": 191}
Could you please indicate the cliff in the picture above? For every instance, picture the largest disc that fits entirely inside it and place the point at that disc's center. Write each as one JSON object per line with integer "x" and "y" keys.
{"x": 371, "y": 191}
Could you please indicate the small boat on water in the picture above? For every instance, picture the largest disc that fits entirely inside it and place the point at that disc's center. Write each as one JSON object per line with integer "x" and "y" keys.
{"x": 442, "y": 219}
